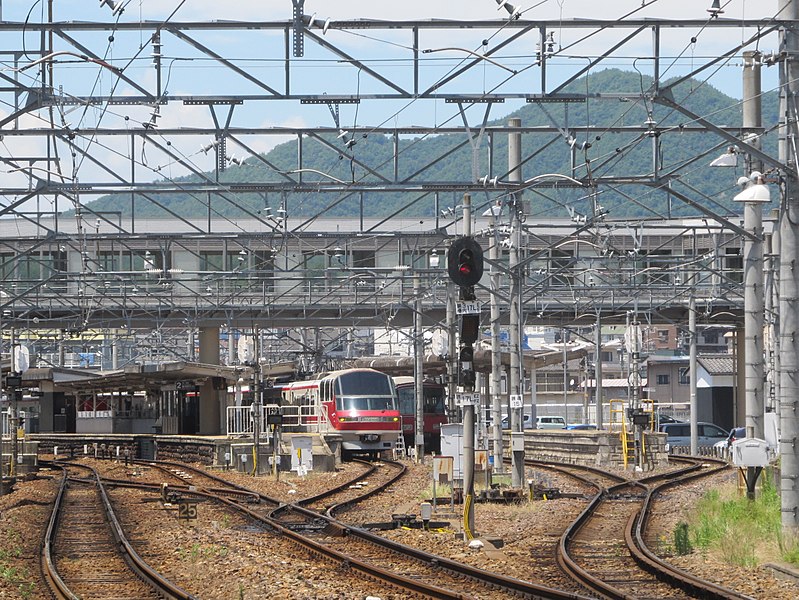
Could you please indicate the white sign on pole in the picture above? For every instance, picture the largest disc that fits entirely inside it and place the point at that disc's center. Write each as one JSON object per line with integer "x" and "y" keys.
{"x": 467, "y": 307}
{"x": 245, "y": 348}
{"x": 22, "y": 359}
{"x": 516, "y": 401}
{"x": 467, "y": 398}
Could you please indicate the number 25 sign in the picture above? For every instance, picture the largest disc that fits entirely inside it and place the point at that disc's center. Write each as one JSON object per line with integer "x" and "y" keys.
{"x": 187, "y": 510}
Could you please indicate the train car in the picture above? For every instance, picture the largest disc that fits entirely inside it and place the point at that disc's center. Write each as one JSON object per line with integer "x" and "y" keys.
{"x": 433, "y": 411}
{"x": 360, "y": 405}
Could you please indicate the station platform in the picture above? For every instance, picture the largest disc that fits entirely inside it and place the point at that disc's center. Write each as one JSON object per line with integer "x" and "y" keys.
{"x": 215, "y": 451}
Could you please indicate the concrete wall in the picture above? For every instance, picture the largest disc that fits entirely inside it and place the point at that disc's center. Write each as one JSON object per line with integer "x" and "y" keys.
{"x": 593, "y": 448}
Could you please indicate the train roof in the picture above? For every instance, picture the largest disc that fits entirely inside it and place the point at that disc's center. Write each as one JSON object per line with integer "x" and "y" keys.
{"x": 404, "y": 379}
{"x": 328, "y": 374}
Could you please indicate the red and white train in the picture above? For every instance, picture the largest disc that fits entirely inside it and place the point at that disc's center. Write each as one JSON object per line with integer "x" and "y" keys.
{"x": 358, "y": 404}
{"x": 433, "y": 411}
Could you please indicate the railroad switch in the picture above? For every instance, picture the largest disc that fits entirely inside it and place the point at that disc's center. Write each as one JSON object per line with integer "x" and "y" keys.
{"x": 169, "y": 496}
{"x": 408, "y": 521}
{"x": 627, "y": 496}
{"x": 317, "y": 526}
{"x": 540, "y": 492}
{"x": 335, "y": 530}
{"x": 506, "y": 496}
{"x": 403, "y": 520}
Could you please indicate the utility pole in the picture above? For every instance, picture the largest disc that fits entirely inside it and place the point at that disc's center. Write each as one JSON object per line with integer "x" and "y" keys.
{"x": 3, "y": 387}
{"x": 517, "y": 431}
{"x": 692, "y": 367}
{"x": 12, "y": 467}
{"x": 452, "y": 356}
{"x": 634, "y": 333}
{"x": 465, "y": 268}
{"x": 256, "y": 401}
{"x": 418, "y": 374}
{"x": 2, "y": 473}
{"x": 496, "y": 359}
{"x": 789, "y": 283}
{"x": 598, "y": 373}
{"x": 754, "y": 300}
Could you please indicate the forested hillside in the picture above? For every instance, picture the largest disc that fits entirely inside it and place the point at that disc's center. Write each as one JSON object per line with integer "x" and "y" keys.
{"x": 610, "y": 154}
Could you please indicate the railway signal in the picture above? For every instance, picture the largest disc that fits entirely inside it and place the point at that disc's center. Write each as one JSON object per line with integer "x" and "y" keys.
{"x": 468, "y": 377}
{"x": 465, "y": 261}
{"x": 465, "y": 267}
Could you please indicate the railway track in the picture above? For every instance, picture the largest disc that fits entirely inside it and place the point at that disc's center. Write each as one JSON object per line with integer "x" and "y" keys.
{"x": 410, "y": 570}
{"x": 86, "y": 553}
{"x": 604, "y": 548}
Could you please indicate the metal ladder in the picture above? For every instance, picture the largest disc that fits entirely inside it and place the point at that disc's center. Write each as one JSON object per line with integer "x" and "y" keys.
{"x": 618, "y": 420}
{"x": 400, "y": 451}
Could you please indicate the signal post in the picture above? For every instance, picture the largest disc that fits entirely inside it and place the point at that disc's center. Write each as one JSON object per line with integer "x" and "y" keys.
{"x": 465, "y": 268}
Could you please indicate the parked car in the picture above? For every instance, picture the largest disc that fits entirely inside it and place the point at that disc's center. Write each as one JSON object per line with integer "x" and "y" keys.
{"x": 679, "y": 434}
{"x": 527, "y": 422}
{"x": 550, "y": 422}
{"x": 545, "y": 422}
{"x": 581, "y": 426}
{"x": 667, "y": 419}
{"x": 736, "y": 433}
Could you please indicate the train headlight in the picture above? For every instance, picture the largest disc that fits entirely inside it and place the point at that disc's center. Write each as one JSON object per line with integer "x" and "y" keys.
{"x": 396, "y": 418}
{"x": 342, "y": 419}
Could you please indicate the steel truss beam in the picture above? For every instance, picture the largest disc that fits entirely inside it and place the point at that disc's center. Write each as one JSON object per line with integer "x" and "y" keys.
{"x": 43, "y": 104}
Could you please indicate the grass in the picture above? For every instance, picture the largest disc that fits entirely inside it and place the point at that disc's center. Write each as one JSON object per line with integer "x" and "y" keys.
{"x": 198, "y": 551}
{"x": 18, "y": 577}
{"x": 442, "y": 490}
{"x": 740, "y": 531}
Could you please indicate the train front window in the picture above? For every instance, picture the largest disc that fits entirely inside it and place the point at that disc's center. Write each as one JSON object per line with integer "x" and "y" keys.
{"x": 364, "y": 383}
{"x": 434, "y": 401}
{"x": 364, "y": 403}
{"x": 407, "y": 402}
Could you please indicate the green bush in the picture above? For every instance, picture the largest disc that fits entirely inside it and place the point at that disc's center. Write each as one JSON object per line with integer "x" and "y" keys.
{"x": 682, "y": 539}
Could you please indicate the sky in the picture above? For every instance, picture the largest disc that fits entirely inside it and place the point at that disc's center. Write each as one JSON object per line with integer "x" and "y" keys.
{"x": 682, "y": 50}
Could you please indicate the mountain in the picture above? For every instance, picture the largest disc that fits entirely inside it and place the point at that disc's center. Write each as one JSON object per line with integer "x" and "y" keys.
{"x": 610, "y": 154}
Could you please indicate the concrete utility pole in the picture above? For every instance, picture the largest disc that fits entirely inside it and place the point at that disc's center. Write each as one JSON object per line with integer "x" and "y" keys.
{"x": 468, "y": 415}
{"x": 692, "y": 370}
{"x": 635, "y": 382}
{"x": 418, "y": 370}
{"x": 789, "y": 282}
{"x": 772, "y": 347}
{"x": 452, "y": 355}
{"x": 256, "y": 400}
{"x": 496, "y": 359}
{"x": 754, "y": 300}
{"x": 14, "y": 397}
{"x": 517, "y": 431}
{"x": 598, "y": 374}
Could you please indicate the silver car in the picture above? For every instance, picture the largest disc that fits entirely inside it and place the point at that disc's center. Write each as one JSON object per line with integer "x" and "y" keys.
{"x": 679, "y": 434}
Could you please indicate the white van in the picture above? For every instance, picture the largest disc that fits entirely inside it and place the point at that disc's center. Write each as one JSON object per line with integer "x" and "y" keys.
{"x": 526, "y": 421}
{"x": 550, "y": 422}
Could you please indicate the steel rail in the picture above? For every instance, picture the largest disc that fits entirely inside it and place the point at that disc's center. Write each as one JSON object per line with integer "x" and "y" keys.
{"x": 511, "y": 584}
{"x": 648, "y": 560}
{"x": 146, "y": 573}
{"x": 51, "y": 576}
{"x": 340, "y": 488}
{"x": 634, "y": 532}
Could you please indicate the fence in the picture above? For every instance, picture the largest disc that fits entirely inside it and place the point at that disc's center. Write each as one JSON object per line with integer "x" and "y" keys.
{"x": 296, "y": 418}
